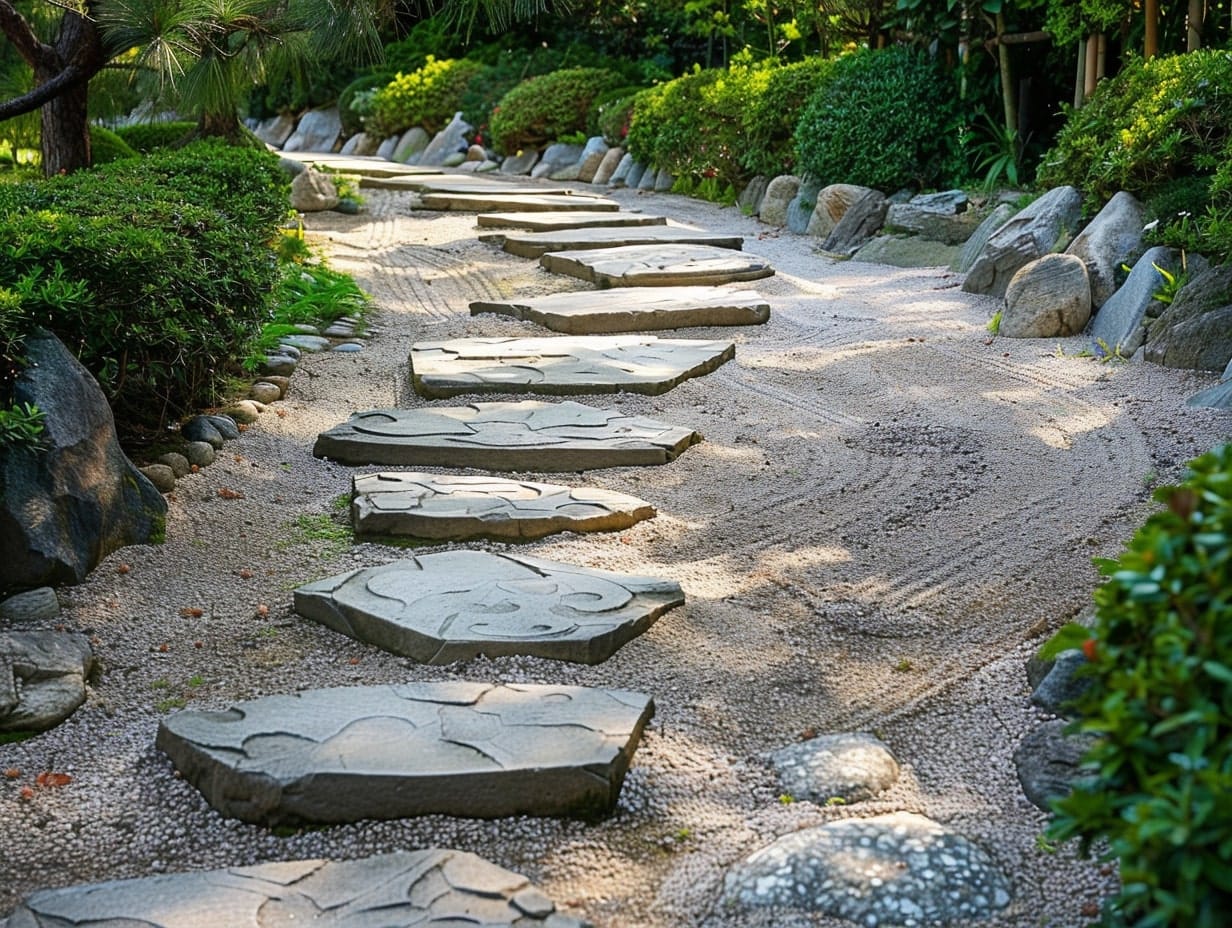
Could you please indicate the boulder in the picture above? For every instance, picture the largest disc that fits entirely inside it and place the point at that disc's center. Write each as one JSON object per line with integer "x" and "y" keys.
{"x": 76, "y": 498}
{"x": 751, "y": 196}
{"x": 1117, "y": 327}
{"x": 318, "y": 130}
{"x": 556, "y": 157}
{"x": 161, "y": 475}
{"x": 386, "y": 148}
{"x": 607, "y": 167}
{"x": 633, "y": 180}
{"x": 832, "y": 202}
{"x": 313, "y": 191}
{"x": 411, "y": 143}
{"x": 1042, "y": 228}
{"x": 1112, "y": 238}
{"x": 649, "y": 177}
{"x": 276, "y": 130}
{"x": 361, "y": 144}
{"x": 851, "y": 766}
{"x": 520, "y": 163}
{"x": 449, "y": 141}
{"x": 199, "y": 453}
{"x": 975, "y": 245}
{"x": 664, "y": 181}
{"x": 906, "y": 251}
{"x": 862, "y": 220}
{"x": 620, "y": 176}
{"x": 40, "y": 605}
{"x": 179, "y": 464}
{"x": 779, "y": 193}
{"x": 592, "y": 156}
{"x": 200, "y": 428}
{"x": 42, "y": 678}
{"x": 567, "y": 173}
{"x": 1062, "y": 684}
{"x": 1195, "y": 331}
{"x": 1049, "y": 762}
{"x": 1048, "y": 298}
{"x": 939, "y": 217}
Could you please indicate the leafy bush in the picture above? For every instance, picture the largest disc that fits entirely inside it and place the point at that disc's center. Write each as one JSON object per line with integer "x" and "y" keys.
{"x": 769, "y": 122}
{"x": 542, "y": 109}
{"x": 614, "y": 115}
{"x": 1160, "y": 703}
{"x": 355, "y": 99}
{"x": 145, "y": 137}
{"x": 156, "y": 271}
{"x": 428, "y": 97}
{"x": 106, "y": 146}
{"x": 884, "y": 119}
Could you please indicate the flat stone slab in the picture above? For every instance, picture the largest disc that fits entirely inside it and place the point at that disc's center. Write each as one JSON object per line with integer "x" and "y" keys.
{"x": 42, "y": 678}
{"x": 476, "y": 750}
{"x": 556, "y": 222}
{"x": 634, "y": 309}
{"x": 456, "y": 605}
{"x": 363, "y": 165}
{"x": 537, "y": 244}
{"x": 409, "y": 888}
{"x": 523, "y": 202}
{"x": 469, "y": 184}
{"x": 450, "y": 508}
{"x": 657, "y": 265}
{"x": 531, "y": 435}
{"x": 562, "y": 365}
{"x": 899, "y": 869}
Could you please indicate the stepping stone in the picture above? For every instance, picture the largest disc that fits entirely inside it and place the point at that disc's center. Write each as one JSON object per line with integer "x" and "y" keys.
{"x": 446, "y": 508}
{"x": 847, "y": 767}
{"x": 657, "y": 265}
{"x": 530, "y": 435}
{"x": 366, "y": 167}
{"x": 456, "y": 605}
{"x": 562, "y": 365}
{"x": 634, "y": 309}
{"x": 476, "y": 750}
{"x": 446, "y": 183}
{"x": 555, "y": 222}
{"x": 900, "y": 869}
{"x": 525, "y": 202}
{"x": 537, "y": 244}
{"x": 403, "y": 888}
{"x": 42, "y": 678}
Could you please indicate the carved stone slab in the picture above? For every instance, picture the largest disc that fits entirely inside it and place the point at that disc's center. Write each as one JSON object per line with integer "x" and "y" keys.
{"x": 42, "y": 678}
{"x": 469, "y": 184}
{"x": 634, "y": 309}
{"x": 456, "y": 605}
{"x": 657, "y": 265}
{"x": 524, "y": 202}
{"x": 562, "y": 365}
{"x": 531, "y": 436}
{"x": 364, "y": 166}
{"x": 409, "y": 888}
{"x": 449, "y": 508}
{"x": 476, "y": 750}
{"x": 554, "y": 222}
{"x": 537, "y": 244}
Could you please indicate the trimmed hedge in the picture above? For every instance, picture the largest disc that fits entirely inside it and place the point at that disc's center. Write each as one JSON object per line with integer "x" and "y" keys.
{"x": 149, "y": 136}
{"x": 428, "y": 97}
{"x": 544, "y": 108}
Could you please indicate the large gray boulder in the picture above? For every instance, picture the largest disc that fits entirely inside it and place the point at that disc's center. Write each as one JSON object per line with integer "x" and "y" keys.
{"x": 751, "y": 196}
{"x": 939, "y": 217}
{"x": 410, "y": 145}
{"x": 800, "y": 209}
{"x": 862, "y": 220}
{"x": 1112, "y": 238}
{"x": 607, "y": 166}
{"x": 276, "y": 130}
{"x": 1196, "y": 330}
{"x": 590, "y": 159}
{"x": 832, "y": 204}
{"x": 1117, "y": 327}
{"x": 906, "y": 251}
{"x": 448, "y": 142}
{"x": 779, "y": 193}
{"x": 76, "y": 498}
{"x": 42, "y": 678}
{"x": 318, "y": 130}
{"x": 1042, "y": 228}
{"x": 978, "y": 241}
{"x": 1049, "y": 298}
{"x": 361, "y": 144}
{"x": 555, "y": 158}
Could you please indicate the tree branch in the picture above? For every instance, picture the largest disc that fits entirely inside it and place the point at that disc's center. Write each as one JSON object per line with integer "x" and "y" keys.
{"x": 19, "y": 32}
{"x": 41, "y": 94}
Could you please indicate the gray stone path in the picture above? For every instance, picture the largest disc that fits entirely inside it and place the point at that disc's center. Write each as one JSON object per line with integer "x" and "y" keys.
{"x": 407, "y": 888}
{"x": 367, "y": 167}
{"x": 657, "y": 265}
{"x": 456, "y": 605}
{"x": 454, "y": 508}
{"x": 525, "y": 202}
{"x": 537, "y": 244}
{"x": 468, "y": 749}
{"x": 531, "y": 435}
{"x": 633, "y": 309}
{"x": 562, "y": 365}
{"x": 551, "y": 222}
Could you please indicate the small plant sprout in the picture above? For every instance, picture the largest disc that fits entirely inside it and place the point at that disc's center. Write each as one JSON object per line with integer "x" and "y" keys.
{"x": 786, "y": 799}
{"x": 903, "y": 666}
{"x": 994, "y": 324}
{"x": 836, "y": 801}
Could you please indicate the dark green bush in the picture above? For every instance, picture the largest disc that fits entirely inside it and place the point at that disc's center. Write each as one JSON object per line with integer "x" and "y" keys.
{"x": 884, "y": 119}
{"x": 1160, "y": 703}
{"x": 614, "y": 115}
{"x": 355, "y": 99}
{"x": 156, "y": 271}
{"x": 544, "y": 108}
{"x": 106, "y": 146}
{"x": 428, "y": 97}
{"x": 147, "y": 136}
{"x": 770, "y": 120}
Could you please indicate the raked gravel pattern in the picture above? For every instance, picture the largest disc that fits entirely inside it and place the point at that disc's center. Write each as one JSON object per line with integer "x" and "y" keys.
{"x": 889, "y": 512}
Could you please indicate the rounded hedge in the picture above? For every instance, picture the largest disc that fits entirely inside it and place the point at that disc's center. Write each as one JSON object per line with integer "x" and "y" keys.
{"x": 146, "y": 137}
{"x": 770, "y": 121}
{"x": 106, "y": 146}
{"x": 428, "y": 97}
{"x": 544, "y": 108}
{"x": 885, "y": 119}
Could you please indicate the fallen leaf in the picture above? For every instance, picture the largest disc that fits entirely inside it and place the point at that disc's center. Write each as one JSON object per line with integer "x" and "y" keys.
{"x": 262, "y": 610}
{"x": 194, "y": 468}
{"x": 241, "y": 426}
{"x": 51, "y": 780}
{"x": 191, "y": 612}
{"x": 198, "y": 644}
{"x": 230, "y": 494}
{"x": 12, "y": 773}
{"x": 239, "y": 459}
{"x": 280, "y": 413}
{"x": 164, "y": 648}
{"x": 353, "y": 661}
{"x": 27, "y": 793}
{"x": 244, "y": 573}
{"x": 123, "y": 569}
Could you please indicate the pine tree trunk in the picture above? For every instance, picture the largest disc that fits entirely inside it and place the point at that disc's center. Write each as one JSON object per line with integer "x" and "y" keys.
{"x": 65, "y": 120}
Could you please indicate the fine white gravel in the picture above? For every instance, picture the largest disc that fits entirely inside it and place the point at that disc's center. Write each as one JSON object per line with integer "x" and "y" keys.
{"x": 889, "y": 513}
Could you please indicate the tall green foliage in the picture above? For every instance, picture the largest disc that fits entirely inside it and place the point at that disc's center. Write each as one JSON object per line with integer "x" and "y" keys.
{"x": 428, "y": 97}
{"x": 545, "y": 108}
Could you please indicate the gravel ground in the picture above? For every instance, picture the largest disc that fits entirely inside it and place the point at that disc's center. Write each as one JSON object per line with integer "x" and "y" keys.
{"x": 889, "y": 512}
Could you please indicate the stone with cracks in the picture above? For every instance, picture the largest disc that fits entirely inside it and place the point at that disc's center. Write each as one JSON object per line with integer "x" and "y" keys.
{"x": 1195, "y": 331}
{"x": 860, "y": 222}
{"x": 851, "y": 767}
{"x": 939, "y": 217}
{"x": 832, "y": 203}
{"x": 975, "y": 245}
{"x": 42, "y": 678}
{"x": 1045, "y": 226}
{"x": 562, "y": 365}
{"x": 446, "y": 143}
{"x": 457, "y": 605}
{"x": 899, "y": 869}
{"x": 313, "y": 191}
{"x": 607, "y": 167}
{"x": 1048, "y": 298}
{"x": 409, "y": 888}
{"x": 634, "y": 309}
{"x": 658, "y": 265}
{"x": 476, "y": 750}
{"x": 537, "y": 244}
{"x": 530, "y": 436}
{"x": 452, "y": 508}
{"x": 557, "y": 222}
{"x": 523, "y": 202}
{"x": 1112, "y": 238}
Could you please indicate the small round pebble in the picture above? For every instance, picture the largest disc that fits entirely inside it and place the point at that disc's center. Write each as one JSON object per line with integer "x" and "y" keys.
{"x": 348, "y": 347}
{"x": 162, "y": 476}
{"x": 264, "y": 392}
{"x": 199, "y": 453}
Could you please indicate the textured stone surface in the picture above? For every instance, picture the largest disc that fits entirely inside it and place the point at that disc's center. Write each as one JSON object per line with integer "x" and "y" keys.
{"x": 1112, "y": 238}
{"x": 1195, "y": 331}
{"x": 751, "y": 196}
{"x": 556, "y": 156}
{"x": 362, "y": 144}
{"x": 531, "y": 435}
{"x": 1048, "y": 762}
{"x": 1062, "y": 684}
{"x": 657, "y": 265}
{"x": 524, "y": 202}
{"x": 1043, "y": 227}
{"x": 779, "y": 193}
{"x": 537, "y": 244}
{"x": 38, "y": 605}
{"x": 621, "y": 175}
{"x": 313, "y": 191}
{"x": 453, "y": 508}
{"x": 448, "y": 142}
{"x": 521, "y": 162}
{"x": 976, "y": 244}
{"x": 1048, "y": 298}
{"x": 1117, "y": 326}
{"x": 590, "y": 159}
{"x": 938, "y": 217}
{"x": 456, "y": 605}
{"x": 860, "y": 222}
{"x": 900, "y": 869}
{"x": 607, "y": 166}
{"x": 42, "y": 678}
{"x": 555, "y": 222}
{"x": 468, "y": 749}
{"x": 800, "y": 209}
{"x": 275, "y": 130}
{"x": 469, "y": 184}
{"x": 907, "y": 251}
{"x": 562, "y": 365}
{"x": 405, "y": 888}
{"x": 366, "y": 167}
{"x": 317, "y": 130}
{"x": 833, "y": 201}
{"x": 634, "y": 309}
{"x": 851, "y": 766}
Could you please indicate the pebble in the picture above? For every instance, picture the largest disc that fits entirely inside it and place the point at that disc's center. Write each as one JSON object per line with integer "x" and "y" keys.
{"x": 199, "y": 453}
{"x": 200, "y": 428}
{"x": 180, "y": 465}
{"x": 264, "y": 392}
{"x": 162, "y": 476}
{"x": 309, "y": 343}
{"x": 282, "y": 383}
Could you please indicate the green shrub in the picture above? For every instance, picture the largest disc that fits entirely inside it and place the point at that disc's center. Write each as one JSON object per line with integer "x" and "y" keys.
{"x": 145, "y": 137}
{"x": 770, "y": 120}
{"x": 884, "y": 119}
{"x": 355, "y": 99}
{"x": 106, "y": 146}
{"x": 428, "y": 97}
{"x": 542, "y": 109}
{"x": 614, "y": 115}
{"x": 1160, "y": 703}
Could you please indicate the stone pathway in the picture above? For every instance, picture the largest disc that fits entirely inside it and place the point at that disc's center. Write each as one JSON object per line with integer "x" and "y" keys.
{"x": 537, "y": 244}
{"x": 657, "y": 265}
{"x": 366, "y": 167}
{"x": 556, "y": 222}
{"x": 523, "y": 202}
{"x": 469, "y": 185}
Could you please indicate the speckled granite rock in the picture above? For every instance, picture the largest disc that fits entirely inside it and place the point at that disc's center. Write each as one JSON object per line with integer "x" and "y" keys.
{"x": 850, "y": 767}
